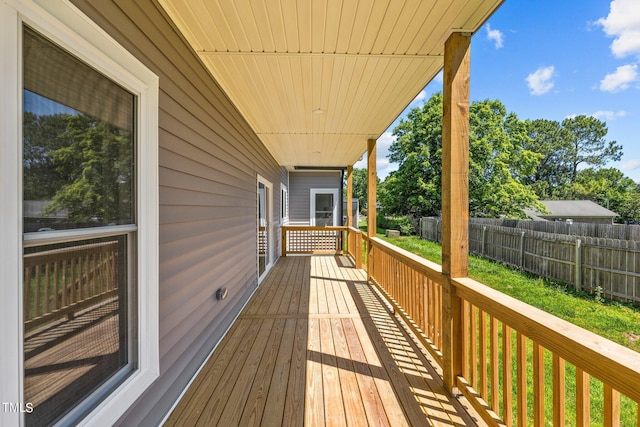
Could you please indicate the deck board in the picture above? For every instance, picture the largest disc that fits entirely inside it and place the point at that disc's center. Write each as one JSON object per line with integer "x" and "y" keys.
{"x": 317, "y": 346}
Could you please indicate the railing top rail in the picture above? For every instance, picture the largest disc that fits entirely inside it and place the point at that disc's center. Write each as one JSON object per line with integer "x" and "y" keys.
{"x": 416, "y": 261}
{"x": 54, "y": 254}
{"x": 610, "y": 362}
{"x": 314, "y": 228}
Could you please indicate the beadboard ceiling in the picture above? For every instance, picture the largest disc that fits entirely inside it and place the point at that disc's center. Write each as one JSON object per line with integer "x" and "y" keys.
{"x": 316, "y": 78}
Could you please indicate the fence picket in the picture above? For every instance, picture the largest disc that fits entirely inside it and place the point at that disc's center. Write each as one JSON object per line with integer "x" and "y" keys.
{"x": 592, "y": 257}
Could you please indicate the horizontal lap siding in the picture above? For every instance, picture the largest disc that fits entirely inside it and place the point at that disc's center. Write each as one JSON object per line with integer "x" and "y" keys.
{"x": 300, "y": 185}
{"x": 208, "y": 161}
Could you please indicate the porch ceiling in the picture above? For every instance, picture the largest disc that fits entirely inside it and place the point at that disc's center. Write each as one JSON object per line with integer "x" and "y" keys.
{"x": 316, "y": 78}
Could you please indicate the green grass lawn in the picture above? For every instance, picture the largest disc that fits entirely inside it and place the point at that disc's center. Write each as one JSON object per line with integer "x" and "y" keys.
{"x": 618, "y": 322}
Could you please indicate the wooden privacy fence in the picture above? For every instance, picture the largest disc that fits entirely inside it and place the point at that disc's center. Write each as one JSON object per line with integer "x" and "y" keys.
{"x": 517, "y": 365}
{"x": 60, "y": 282}
{"x": 597, "y": 265}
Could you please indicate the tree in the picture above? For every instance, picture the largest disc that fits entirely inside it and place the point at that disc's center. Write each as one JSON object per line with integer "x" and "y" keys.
{"x": 81, "y": 165}
{"x": 552, "y": 142}
{"x": 360, "y": 177}
{"x": 499, "y": 161}
{"x": 415, "y": 188}
{"x": 610, "y": 188}
{"x": 588, "y": 144}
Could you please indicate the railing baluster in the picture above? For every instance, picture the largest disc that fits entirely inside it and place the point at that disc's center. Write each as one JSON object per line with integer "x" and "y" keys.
{"x": 65, "y": 284}
{"x": 28, "y": 313}
{"x": 466, "y": 333}
{"x": 73, "y": 281}
{"x": 47, "y": 287}
{"x": 495, "y": 381}
{"x": 558, "y": 391}
{"x": 57, "y": 297}
{"x": 507, "y": 398}
{"x": 38, "y": 309}
{"x": 484, "y": 386}
{"x": 474, "y": 347}
{"x": 611, "y": 406}
{"x": 538, "y": 385}
{"x": 583, "y": 400}
{"x": 522, "y": 379}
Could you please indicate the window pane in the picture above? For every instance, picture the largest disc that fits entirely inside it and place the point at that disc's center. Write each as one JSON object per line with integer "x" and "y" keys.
{"x": 75, "y": 322}
{"x": 78, "y": 143}
{"x": 324, "y": 209}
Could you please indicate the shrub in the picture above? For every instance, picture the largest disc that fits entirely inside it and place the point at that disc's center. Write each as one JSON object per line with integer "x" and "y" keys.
{"x": 401, "y": 223}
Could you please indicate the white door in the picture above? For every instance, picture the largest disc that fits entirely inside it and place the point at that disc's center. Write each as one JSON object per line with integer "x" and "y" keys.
{"x": 265, "y": 190}
{"x": 324, "y": 207}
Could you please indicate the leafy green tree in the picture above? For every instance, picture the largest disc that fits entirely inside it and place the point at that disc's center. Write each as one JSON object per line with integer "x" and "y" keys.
{"x": 82, "y": 165}
{"x": 360, "y": 177}
{"x": 553, "y": 143}
{"x": 415, "y": 188}
{"x": 610, "y": 188}
{"x": 588, "y": 143}
{"x": 499, "y": 162}
{"x": 40, "y": 136}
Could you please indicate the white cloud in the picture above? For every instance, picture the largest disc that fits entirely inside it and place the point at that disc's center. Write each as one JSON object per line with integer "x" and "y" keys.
{"x": 420, "y": 97}
{"x": 541, "y": 80}
{"x": 609, "y": 115}
{"x": 496, "y": 36}
{"x": 383, "y": 166}
{"x": 620, "y": 79}
{"x": 630, "y": 165}
{"x": 601, "y": 114}
{"x": 623, "y": 23}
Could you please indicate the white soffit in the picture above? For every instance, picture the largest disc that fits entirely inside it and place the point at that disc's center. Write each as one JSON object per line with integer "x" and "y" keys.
{"x": 316, "y": 78}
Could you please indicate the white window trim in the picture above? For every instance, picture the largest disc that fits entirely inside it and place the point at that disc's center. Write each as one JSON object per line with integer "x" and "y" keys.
{"x": 65, "y": 25}
{"x": 312, "y": 203}
{"x": 284, "y": 203}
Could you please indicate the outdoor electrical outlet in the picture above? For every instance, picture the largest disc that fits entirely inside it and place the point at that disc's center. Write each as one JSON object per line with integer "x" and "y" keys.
{"x": 221, "y": 294}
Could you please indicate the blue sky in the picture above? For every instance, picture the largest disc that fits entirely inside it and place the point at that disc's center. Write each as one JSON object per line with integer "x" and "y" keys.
{"x": 554, "y": 59}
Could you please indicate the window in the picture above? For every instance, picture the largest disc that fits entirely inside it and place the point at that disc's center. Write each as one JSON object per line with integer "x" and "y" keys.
{"x": 284, "y": 204}
{"x": 87, "y": 283}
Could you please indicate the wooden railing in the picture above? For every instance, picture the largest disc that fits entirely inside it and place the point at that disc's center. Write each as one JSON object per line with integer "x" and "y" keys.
{"x": 59, "y": 282}
{"x": 413, "y": 285}
{"x": 313, "y": 240}
{"x": 508, "y": 345}
{"x": 519, "y": 365}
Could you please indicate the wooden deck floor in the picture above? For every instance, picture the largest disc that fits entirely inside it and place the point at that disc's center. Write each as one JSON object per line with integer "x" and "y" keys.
{"x": 316, "y": 346}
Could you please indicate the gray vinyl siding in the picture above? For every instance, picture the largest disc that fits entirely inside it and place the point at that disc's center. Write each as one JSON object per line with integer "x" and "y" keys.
{"x": 300, "y": 185}
{"x": 209, "y": 159}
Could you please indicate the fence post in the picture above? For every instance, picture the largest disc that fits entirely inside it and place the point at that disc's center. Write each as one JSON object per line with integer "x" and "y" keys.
{"x": 484, "y": 239}
{"x": 522, "y": 249}
{"x": 578, "y": 265}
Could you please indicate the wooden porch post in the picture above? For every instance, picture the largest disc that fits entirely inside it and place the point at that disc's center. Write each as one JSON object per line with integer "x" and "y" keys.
{"x": 350, "y": 196}
{"x": 371, "y": 203}
{"x": 455, "y": 196}
{"x": 371, "y": 188}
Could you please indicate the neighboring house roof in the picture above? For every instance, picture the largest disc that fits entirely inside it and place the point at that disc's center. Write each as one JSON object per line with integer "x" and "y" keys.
{"x": 571, "y": 209}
